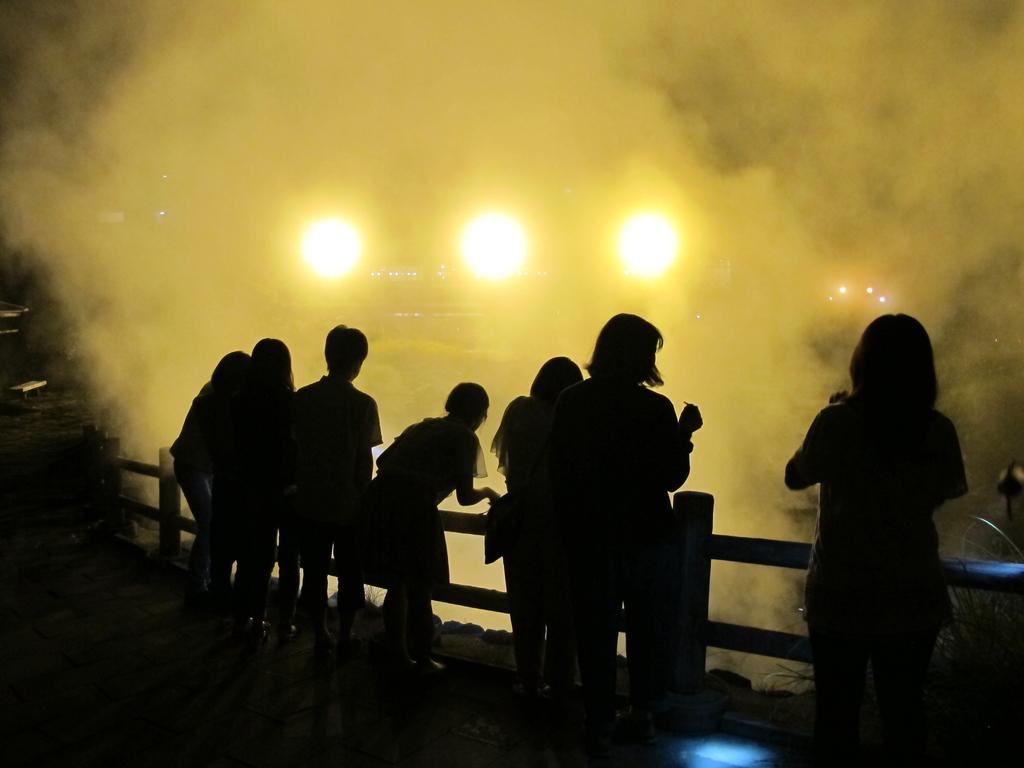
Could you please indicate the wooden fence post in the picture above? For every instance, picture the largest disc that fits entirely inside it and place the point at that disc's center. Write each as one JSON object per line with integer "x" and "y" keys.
{"x": 110, "y": 484}
{"x": 170, "y": 507}
{"x": 695, "y": 514}
{"x": 690, "y": 706}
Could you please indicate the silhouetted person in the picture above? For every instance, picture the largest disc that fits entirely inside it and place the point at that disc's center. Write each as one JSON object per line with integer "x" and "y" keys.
{"x": 536, "y": 577}
{"x": 616, "y": 453}
{"x": 261, "y": 416}
{"x": 214, "y": 416}
{"x": 403, "y": 539}
{"x": 885, "y": 459}
{"x": 336, "y": 426}
{"x": 193, "y": 469}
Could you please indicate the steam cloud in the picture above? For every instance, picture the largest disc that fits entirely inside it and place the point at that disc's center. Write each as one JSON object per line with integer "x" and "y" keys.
{"x": 798, "y": 146}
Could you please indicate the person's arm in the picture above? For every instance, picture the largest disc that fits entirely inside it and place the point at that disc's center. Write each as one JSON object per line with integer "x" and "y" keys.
{"x": 810, "y": 463}
{"x": 671, "y": 448}
{"x": 371, "y": 434}
{"x": 469, "y": 464}
{"x": 467, "y": 495}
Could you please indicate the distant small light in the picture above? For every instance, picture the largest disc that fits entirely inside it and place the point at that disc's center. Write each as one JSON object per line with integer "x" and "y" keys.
{"x": 698, "y": 317}
{"x": 871, "y": 290}
{"x": 881, "y": 299}
{"x": 830, "y": 298}
{"x": 842, "y": 289}
{"x": 163, "y": 176}
{"x": 162, "y": 213}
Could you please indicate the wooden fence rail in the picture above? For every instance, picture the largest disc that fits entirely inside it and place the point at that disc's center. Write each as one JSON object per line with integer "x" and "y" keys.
{"x": 696, "y": 547}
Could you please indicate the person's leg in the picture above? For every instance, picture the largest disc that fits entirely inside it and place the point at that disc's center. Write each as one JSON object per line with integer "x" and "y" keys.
{"x": 197, "y": 488}
{"x": 316, "y": 555}
{"x": 351, "y": 593}
{"x": 421, "y": 621}
{"x": 221, "y": 555}
{"x": 900, "y": 665}
{"x": 395, "y": 612}
{"x": 560, "y": 646}
{"x": 648, "y": 628}
{"x": 595, "y": 611}
{"x": 840, "y": 668}
{"x": 288, "y": 571}
{"x": 524, "y": 584}
{"x": 263, "y": 550}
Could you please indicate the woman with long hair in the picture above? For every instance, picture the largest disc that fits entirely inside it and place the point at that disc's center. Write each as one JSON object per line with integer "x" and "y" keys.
{"x": 885, "y": 459}
{"x": 616, "y": 453}
{"x": 261, "y": 415}
{"x": 535, "y": 572}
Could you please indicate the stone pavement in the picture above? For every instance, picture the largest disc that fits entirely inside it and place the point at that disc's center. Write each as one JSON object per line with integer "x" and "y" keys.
{"x": 101, "y": 665}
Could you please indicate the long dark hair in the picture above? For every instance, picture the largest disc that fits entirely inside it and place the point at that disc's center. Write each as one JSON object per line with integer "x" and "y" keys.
{"x": 554, "y": 376}
{"x": 230, "y": 373}
{"x": 625, "y": 350}
{"x": 271, "y": 366}
{"x": 892, "y": 372}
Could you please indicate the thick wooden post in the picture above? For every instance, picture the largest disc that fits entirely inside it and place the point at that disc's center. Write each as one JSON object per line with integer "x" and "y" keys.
{"x": 170, "y": 507}
{"x": 110, "y": 484}
{"x": 92, "y": 443}
{"x": 690, "y": 707}
{"x": 695, "y": 514}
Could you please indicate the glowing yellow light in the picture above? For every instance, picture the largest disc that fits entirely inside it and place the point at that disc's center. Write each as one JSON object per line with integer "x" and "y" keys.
{"x": 647, "y": 244}
{"x": 494, "y": 246}
{"x": 882, "y": 299}
{"x": 331, "y": 247}
{"x": 871, "y": 290}
{"x": 842, "y": 289}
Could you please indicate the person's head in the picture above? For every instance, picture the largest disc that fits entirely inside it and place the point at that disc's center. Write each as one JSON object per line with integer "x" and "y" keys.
{"x": 625, "y": 349}
{"x": 893, "y": 366}
{"x": 271, "y": 366}
{"x": 345, "y": 350}
{"x": 230, "y": 373}
{"x": 468, "y": 403}
{"x": 554, "y": 376}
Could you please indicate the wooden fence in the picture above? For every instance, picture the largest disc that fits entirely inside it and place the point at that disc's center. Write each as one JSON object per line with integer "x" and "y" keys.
{"x": 697, "y": 546}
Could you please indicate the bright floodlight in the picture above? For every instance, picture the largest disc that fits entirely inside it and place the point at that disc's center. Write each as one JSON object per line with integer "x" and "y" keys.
{"x": 331, "y": 247}
{"x": 647, "y": 244}
{"x": 494, "y": 246}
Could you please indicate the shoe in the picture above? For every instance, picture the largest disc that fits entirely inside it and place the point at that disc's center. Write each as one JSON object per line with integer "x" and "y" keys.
{"x": 429, "y": 668}
{"x": 257, "y": 634}
{"x": 635, "y": 727}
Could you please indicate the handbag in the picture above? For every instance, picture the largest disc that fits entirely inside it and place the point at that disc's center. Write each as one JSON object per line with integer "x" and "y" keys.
{"x": 504, "y": 524}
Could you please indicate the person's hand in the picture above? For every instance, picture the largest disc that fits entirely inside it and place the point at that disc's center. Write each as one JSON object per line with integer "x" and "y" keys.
{"x": 491, "y": 494}
{"x": 690, "y": 419}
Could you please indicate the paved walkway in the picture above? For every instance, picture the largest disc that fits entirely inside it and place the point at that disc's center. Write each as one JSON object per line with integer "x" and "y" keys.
{"x": 100, "y": 665}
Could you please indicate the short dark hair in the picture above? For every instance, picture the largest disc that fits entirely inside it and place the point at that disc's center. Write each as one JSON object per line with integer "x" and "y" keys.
{"x": 345, "y": 348}
{"x": 467, "y": 401}
{"x": 893, "y": 365}
{"x": 554, "y": 376}
{"x": 625, "y": 349}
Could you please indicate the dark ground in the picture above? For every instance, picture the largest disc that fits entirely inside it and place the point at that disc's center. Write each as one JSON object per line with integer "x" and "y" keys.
{"x": 101, "y": 665}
